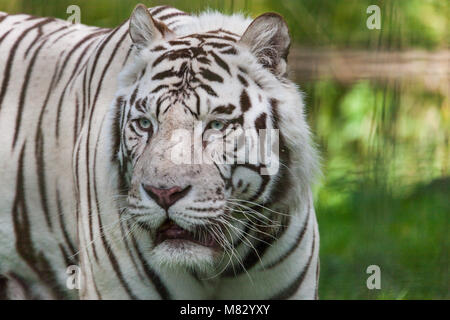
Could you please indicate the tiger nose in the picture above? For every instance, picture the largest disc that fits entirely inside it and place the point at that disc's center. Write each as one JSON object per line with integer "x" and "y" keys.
{"x": 165, "y": 198}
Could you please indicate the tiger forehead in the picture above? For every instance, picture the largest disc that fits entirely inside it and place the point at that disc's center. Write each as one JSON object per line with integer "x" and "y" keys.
{"x": 185, "y": 67}
{"x": 209, "y": 37}
{"x": 197, "y": 46}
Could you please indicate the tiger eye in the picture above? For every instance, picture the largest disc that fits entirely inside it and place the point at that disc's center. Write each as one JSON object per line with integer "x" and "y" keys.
{"x": 144, "y": 124}
{"x": 216, "y": 125}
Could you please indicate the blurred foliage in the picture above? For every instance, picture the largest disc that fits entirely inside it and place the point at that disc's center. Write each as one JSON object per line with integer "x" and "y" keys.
{"x": 384, "y": 195}
{"x": 405, "y": 23}
{"x": 384, "y": 198}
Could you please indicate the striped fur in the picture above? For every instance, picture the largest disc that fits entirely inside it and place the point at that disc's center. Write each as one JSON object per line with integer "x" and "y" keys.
{"x": 73, "y": 159}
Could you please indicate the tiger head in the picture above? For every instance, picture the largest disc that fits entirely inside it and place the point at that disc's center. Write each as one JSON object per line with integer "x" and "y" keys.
{"x": 204, "y": 144}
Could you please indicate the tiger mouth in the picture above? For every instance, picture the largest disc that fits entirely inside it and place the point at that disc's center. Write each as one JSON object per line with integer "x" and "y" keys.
{"x": 170, "y": 231}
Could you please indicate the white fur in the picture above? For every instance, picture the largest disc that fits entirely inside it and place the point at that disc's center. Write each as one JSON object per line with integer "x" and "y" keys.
{"x": 94, "y": 135}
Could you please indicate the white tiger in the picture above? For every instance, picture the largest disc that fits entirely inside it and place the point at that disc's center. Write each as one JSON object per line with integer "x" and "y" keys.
{"x": 88, "y": 116}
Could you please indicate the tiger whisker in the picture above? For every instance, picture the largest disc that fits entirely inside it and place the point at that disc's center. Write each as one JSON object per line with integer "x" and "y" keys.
{"x": 102, "y": 233}
{"x": 254, "y": 229}
{"x": 269, "y": 223}
{"x": 259, "y": 205}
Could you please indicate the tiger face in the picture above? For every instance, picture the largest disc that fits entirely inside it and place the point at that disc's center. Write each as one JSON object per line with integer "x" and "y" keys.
{"x": 199, "y": 142}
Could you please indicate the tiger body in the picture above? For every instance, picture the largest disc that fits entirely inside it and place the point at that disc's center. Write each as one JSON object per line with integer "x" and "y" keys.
{"x": 67, "y": 149}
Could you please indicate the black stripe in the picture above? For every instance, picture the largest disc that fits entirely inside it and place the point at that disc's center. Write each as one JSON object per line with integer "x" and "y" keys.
{"x": 260, "y": 122}
{"x": 23, "y": 94}
{"x": 252, "y": 258}
{"x": 220, "y": 62}
{"x": 61, "y": 99}
{"x": 12, "y": 53}
{"x": 231, "y": 51}
{"x": 171, "y": 15}
{"x": 63, "y": 35}
{"x": 290, "y": 290}
{"x": 116, "y": 127}
{"x": 75, "y": 47}
{"x": 164, "y": 74}
{"x": 218, "y": 45}
{"x": 38, "y": 38}
{"x": 3, "y": 286}
{"x": 112, "y": 258}
{"x": 317, "y": 279}
{"x": 179, "y": 42}
{"x": 160, "y": 9}
{"x": 208, "y": 90}
{"x": 242, "y": 236}
{"x": 211, "y": 76}
{"x": 158, "y": 48}
{"x": 75, "y": 122}
{"x": 224, "y": 31}
{"x": 89, "y": 202}
{"x": 3, "y": 17}
{"x": 102, "y": 46}
{"x": 160, "y": 87}
{"x": 18, "y": 281}
{"x": 275, "y": 113}
{"x": 24, "y": 242}
{"x": 296, "y": 244}
{"x": 105, "y": 69}
{"x": 151, "y": 274}
{"x": 128, "y": 249}
{"x": 133, "y": 95}
{"x": 242, "y": 80}
{"x": 245, "y": 101}
{"x": 5, "y": 35}
{"x": 224, "y": 109}
{"x": 62, "y": 224}
{"x": 93, "y": 70}
{"x": 40, "y": 170}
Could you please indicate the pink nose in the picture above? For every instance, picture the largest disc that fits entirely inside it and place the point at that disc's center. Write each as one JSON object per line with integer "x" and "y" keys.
{"x": 165, "y": 198}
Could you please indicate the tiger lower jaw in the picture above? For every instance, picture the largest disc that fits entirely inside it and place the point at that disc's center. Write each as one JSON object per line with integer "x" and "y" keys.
{"x": 184, "y": 255}
{"x": 178, "y": 248}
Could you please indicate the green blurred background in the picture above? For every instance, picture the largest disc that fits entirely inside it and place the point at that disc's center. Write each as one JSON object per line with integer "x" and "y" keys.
{"x": 377, "y": 101}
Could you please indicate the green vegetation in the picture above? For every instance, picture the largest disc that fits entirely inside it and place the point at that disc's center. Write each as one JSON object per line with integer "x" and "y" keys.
{"x": 384, "y": 196}
{"x": 406, "y": 23}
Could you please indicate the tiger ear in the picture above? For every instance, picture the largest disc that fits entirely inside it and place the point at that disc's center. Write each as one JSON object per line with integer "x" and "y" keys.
{"x": 268, "y": 39}
{"x": 144, "y": 29}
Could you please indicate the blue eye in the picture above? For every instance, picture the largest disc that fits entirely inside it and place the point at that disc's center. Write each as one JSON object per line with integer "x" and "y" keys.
{"x": 216, "y": 125}
{"x": 144, "y": 124}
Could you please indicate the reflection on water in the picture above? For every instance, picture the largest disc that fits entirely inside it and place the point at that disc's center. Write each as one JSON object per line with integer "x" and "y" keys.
{"x": 383, "y": 198}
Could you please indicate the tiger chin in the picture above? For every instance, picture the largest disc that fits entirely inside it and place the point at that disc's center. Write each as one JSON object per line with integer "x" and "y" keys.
{"x": 180, "y": 256}
{"x": 180, "y": 250}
